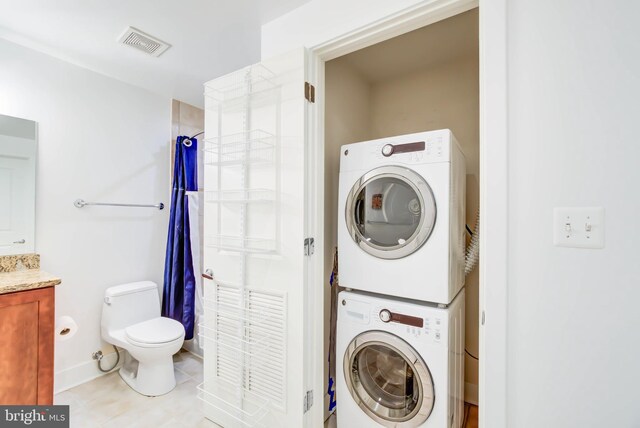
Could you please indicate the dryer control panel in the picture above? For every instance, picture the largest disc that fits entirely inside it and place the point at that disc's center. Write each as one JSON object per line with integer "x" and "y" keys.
{"x": 430, "y": 149}
{"x": 423, "y": 147}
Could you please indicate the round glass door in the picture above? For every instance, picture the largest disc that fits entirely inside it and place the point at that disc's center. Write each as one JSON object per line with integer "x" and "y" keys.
{"x": 389, "y": 380}
{"x": 390, "y": 212}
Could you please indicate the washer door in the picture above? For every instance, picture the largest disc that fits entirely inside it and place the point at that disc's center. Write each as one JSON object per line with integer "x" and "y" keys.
{"x": 390, "y": 212}
{"x": 389, "y": 380}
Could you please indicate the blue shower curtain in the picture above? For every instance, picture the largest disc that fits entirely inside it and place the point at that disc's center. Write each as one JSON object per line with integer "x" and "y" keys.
{"x": 179, "y": 279}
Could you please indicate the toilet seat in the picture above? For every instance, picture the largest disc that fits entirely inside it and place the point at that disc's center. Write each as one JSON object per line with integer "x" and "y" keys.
{"x": 154, "y": 332}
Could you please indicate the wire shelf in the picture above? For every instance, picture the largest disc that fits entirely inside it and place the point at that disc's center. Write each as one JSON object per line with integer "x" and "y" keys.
{"x": 236, "y": 89}
{"x": 249, "y": 147}
{"x": 241, "y": 245}
{"x": 244, "y": 407}
{"x": 240, "y": 196}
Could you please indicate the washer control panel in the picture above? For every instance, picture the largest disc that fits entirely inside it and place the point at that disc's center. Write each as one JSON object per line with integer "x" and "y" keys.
{"x": 429, "y": 327}
{"x": 387, "y": 316}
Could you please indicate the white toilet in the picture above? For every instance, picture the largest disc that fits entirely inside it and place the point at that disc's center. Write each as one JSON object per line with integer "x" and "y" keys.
{"x": 131, "y": 320}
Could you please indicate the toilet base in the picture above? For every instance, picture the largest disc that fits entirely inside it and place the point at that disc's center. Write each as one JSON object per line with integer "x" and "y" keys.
{"x": 152, "y": 379}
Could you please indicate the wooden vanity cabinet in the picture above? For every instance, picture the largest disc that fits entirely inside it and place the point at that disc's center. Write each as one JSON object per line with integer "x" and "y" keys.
{"x": 26, "y": 347}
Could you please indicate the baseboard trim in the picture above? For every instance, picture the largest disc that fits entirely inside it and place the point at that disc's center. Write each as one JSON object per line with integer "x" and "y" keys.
{"x": 471, "y": 393}
{"x": 192, "y": 346}
{"x": 83, "y": 372}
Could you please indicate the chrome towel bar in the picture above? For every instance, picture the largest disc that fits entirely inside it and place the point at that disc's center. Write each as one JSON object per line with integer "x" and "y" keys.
{"x": 79, "y": 203}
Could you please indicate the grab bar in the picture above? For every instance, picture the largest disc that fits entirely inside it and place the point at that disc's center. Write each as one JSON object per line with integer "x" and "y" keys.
{"x": 79, "y": 203}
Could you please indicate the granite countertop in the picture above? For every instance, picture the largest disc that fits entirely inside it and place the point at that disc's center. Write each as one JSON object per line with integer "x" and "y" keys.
{"x": 26, "y": 280}
{"x": 22, "y": 272}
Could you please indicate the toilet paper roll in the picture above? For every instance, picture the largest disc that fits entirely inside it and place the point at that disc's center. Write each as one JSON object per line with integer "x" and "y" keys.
{"x": 66, "y": 328}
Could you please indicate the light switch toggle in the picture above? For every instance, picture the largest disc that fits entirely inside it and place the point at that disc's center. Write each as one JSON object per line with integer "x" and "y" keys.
{"x": 569, "y": 232}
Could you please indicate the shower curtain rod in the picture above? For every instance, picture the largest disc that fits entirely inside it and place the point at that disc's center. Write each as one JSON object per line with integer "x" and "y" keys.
{"x": 190, "y": 138}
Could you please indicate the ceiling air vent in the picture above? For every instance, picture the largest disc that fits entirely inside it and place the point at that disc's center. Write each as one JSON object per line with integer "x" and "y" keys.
{"x": 143, "y": 41}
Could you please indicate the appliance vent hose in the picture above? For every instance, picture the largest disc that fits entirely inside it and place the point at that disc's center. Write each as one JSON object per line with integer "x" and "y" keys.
{"x": 472, "y": 254}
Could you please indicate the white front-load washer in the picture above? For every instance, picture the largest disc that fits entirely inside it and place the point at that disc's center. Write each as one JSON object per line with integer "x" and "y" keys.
{"x": 401, "y": 216}
{"x": 400, "y": 362}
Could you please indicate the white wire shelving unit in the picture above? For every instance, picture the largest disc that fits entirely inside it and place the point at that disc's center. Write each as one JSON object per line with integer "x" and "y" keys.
{"x": 244, "y": 330}
{"x": 245, "y": 148}
{"x": 240, "y": 196}
{"x": 243, "y": 407}
{"x": 247, "y": 245}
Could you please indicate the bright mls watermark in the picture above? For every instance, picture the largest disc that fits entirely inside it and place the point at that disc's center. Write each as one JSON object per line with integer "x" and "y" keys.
{"x": 34, "y": 416}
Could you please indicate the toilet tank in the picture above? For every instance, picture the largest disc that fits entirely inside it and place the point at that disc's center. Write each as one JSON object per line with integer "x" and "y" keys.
{"x": 128, "y": 304}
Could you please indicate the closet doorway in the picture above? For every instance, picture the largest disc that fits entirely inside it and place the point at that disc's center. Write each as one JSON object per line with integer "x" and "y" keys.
{"x": 438, "y": 66}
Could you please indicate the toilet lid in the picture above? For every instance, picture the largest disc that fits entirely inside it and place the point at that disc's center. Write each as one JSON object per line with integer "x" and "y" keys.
{"x": 156, "y": 330}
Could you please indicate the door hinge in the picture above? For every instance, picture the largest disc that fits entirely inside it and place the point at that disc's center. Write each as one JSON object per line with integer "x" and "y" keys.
{"x": 482, "y": 318}
{"x": 309, "y": 92}
{"x": 309, "y": 246}
{"x": 308, "y": 401}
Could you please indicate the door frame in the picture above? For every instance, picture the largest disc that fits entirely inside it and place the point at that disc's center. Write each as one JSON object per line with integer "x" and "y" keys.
{"x": 493, "y": 183}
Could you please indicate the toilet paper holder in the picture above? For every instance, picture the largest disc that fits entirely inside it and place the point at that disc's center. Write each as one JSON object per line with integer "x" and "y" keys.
{"x": 65, "y": 328}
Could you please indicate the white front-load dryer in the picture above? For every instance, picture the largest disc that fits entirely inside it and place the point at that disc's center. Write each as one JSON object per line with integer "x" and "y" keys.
{"x": 400, "y": 362}
{"x": 401, "y": 216}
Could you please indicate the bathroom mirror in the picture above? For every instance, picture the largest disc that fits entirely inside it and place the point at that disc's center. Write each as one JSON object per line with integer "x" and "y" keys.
{"x": 17, "y": 185}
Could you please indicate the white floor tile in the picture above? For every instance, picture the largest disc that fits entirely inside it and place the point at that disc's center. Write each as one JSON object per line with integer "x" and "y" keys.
{"x": 108, "y": 402}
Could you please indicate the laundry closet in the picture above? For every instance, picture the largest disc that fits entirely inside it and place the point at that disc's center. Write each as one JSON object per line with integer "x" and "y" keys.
{"x": 425, "y": 80}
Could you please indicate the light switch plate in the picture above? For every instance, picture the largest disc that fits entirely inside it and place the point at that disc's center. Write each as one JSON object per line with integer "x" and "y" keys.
{"x": 578, "y": 227}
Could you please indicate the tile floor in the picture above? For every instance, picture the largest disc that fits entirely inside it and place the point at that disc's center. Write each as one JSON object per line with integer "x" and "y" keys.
{"x": 108, "y": 402}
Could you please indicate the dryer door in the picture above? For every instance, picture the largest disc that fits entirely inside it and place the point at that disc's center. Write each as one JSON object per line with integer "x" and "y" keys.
{"x": 389, "y": 380}
{"x": 390, "y": 212}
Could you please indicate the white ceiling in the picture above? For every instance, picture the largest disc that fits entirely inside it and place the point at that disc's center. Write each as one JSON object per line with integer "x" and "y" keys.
{"x": 209, "y": 38}
{"x": 447, "y": 40}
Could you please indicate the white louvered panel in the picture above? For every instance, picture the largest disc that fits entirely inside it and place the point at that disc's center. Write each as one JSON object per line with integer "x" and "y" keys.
{"x": 228, "y": 367}
{"x": 267, "y": 375}
{"x": 248, "y": 334}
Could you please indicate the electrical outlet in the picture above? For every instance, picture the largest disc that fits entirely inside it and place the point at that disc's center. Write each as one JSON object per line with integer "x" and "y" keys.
{"x": 578, "y": 227}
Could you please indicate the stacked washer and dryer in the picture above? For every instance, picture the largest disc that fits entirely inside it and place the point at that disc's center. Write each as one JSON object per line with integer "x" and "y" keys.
{"x": 401, "y": 240}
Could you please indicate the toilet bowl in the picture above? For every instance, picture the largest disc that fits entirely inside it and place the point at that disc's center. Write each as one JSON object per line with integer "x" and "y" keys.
{"x": 131, "y": 320}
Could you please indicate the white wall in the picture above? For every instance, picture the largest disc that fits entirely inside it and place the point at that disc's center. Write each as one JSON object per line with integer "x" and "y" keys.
{"x": 103, "y": 140}
{"x": 573, "y": 341}
{"x": 319, "y": 21}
